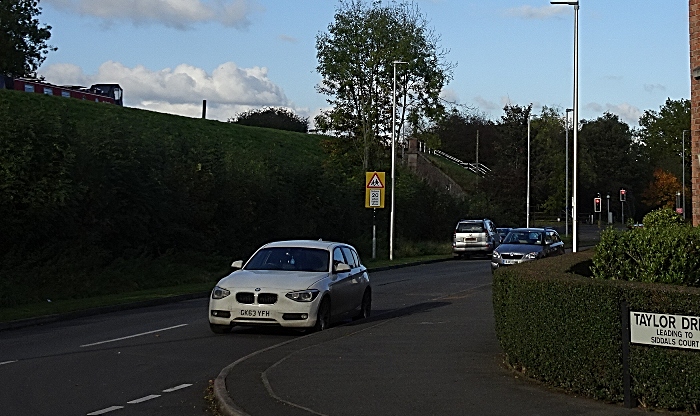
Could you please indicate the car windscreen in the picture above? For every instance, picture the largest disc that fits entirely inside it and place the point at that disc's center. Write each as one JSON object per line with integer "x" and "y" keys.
{"x": 525, "y": 237}
{"x": 290, "y": 258}
{"x": 470, "y": 227}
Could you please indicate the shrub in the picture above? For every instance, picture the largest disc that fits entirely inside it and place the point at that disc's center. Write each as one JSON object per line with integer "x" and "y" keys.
{"x": 663, "y": 217}
{"x": 663, "y": 252}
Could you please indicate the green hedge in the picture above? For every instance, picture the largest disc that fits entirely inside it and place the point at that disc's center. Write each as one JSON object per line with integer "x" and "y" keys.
{"x": 564, "y": 329}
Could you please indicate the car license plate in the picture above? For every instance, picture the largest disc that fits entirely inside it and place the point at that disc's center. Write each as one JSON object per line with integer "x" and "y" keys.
{"x": 254, "y": 313}
{"x": 510, "y": 261}
{"x": 469, "y": 239}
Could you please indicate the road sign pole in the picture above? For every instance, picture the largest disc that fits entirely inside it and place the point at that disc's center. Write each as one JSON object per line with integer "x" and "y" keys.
{"x": 374, "y": 233}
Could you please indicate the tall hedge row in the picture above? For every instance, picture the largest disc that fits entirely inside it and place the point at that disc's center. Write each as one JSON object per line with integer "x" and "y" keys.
{"x": 557, "y": 324}
{"x": 86, "y": 189}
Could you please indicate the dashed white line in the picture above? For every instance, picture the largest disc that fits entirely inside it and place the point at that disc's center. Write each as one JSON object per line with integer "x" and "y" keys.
{"x": 137, "y": 401}
{"x": 144, "y": 399}
{"x": 133, "y": 336}
{"x": 172, "y": 389}
{"x": 8, "y": 362}
{"x": 105, "y": 410}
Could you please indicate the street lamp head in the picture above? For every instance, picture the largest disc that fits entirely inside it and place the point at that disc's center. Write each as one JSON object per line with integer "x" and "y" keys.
{"x": 570, "y": 3}
{"x": 568, "y": 110}
{"x": 400, "y": 62}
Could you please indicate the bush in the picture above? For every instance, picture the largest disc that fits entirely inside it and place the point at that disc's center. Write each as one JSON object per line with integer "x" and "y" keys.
{"x": 663, "y": 217}
{"x": 658, "y": 253}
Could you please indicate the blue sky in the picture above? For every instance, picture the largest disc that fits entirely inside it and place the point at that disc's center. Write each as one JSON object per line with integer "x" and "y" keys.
{"x": 169, "y": 55}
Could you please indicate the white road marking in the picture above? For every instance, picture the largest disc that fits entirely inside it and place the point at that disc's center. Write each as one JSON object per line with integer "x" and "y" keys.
{"x": 8, "y": 362}
{"x": 106, "y": 410}
{"x": 144, "y": 399}
{"x": 133, "y": 336}
{"x": 172, "y": 389}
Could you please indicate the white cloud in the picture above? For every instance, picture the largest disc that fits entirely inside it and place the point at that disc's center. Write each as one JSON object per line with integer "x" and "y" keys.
{"x": 654, "y": 87}
{"x": 627, "y": 112}
{"x": 449, "y": 95}
{"x": 538, "y": 13}
{"x": 485, "y": 104}
{"x": 228, "y": 89}
{"x": 179, "y": 14}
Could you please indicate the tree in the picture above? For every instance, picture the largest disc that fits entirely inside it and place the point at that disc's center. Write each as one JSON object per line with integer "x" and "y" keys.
{"x": 22, "y": 40}
{"x": 356, "y": 60}
{"x": 273, "y": 118}
{"x": 661, "y": 134}
{"x": 661, "y": 192}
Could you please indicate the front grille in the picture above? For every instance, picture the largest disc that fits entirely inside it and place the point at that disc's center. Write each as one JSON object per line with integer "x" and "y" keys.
{"x": 511, "y": 256}
{"x": 263, "y": 298}
{"x": 267, "y": 298}
{"x": 245, "y": 297}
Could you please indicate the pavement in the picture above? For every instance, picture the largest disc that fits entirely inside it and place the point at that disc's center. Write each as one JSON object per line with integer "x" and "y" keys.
{"x": 434, "y": 358}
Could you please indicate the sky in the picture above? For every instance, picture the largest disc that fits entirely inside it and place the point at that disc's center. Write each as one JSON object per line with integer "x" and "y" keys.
{"x": 240, "y": 55}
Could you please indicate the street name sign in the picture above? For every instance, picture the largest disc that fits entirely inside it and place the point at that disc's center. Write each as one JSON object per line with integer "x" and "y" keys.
{"x": 664, "y": 330}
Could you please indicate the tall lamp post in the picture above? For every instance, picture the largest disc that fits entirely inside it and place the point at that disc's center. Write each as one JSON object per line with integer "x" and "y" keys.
{"x": 683, "y": 158}
{"x": 527, "y": 201}
{"x": 393, "y": 165}
{"x": 575, "y": 187}
{"x": 566, "y": 126}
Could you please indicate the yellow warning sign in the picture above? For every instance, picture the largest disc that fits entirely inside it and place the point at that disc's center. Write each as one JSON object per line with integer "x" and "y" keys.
{"x": 374, "y": 189}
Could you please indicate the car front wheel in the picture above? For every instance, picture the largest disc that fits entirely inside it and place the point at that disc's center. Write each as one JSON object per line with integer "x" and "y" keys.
{"x": 323, "y": 318}
{"x": 365, "y": 306}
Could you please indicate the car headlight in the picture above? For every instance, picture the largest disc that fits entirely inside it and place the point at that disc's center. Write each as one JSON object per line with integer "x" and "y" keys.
{"x": 303, "y": 295}
{"x": 531, "y": 256}
{"x": 219, "y": 292}
{"x": 496, "y": 255}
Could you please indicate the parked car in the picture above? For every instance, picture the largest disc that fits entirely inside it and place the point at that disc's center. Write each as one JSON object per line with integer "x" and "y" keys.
{"x": 474, "y": 237}
{"x": 525, "y": 244}
{"x": 503, "y": 232}
{"x": 297, "y": 284}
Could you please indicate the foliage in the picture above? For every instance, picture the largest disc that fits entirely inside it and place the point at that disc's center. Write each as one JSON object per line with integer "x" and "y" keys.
{"x": 662, "y": 218}
{"x": 661, "y": 133}
{"x": 662, "y": 252}
{"x": 661, "y": 192}
{"x": 356, "y": 57}
{"x": 273, "y": 118}
{"x": 22, "y": 40}
{"x": 92, "y": 194}
{"x": 564, "y": 330}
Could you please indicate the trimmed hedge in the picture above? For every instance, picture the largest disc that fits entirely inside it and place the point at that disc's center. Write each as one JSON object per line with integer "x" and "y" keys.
{"x": 564, "y": 329}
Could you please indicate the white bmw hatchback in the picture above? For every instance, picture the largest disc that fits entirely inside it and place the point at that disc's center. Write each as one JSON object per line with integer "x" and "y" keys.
{"x": 297, "y": 284}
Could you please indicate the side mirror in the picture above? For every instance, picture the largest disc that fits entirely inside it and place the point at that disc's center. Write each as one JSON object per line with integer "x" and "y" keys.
{"x": 238, "y": 264}
{"x": 342, "y": 268}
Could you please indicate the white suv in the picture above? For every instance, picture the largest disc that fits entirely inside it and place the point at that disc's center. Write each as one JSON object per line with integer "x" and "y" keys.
{"x": 474, "y": 237}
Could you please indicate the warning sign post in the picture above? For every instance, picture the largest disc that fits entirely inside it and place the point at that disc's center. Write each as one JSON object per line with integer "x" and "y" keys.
{"x": 374, "y": 189}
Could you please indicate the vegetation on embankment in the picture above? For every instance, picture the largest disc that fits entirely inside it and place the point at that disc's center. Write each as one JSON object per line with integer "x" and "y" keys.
{"x": 98, "y": 199}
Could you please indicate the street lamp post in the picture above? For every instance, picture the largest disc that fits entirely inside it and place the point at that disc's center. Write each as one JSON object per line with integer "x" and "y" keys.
{"x": 683, "y": 158}
{"x": 393, "y": 165}
{"x": 566, "y": 125}
{"x": 575, "y": 187}
{"x": 527, "y": 202}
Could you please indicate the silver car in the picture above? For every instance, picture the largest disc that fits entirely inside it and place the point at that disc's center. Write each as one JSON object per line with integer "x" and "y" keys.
{"x": 526, "y": 244}
{"x": 296, "y": 284}
{"x": 474, "y": 237}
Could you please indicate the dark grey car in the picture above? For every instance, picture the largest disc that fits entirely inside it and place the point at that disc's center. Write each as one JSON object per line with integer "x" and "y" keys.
{"x": 525, "y": 244}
